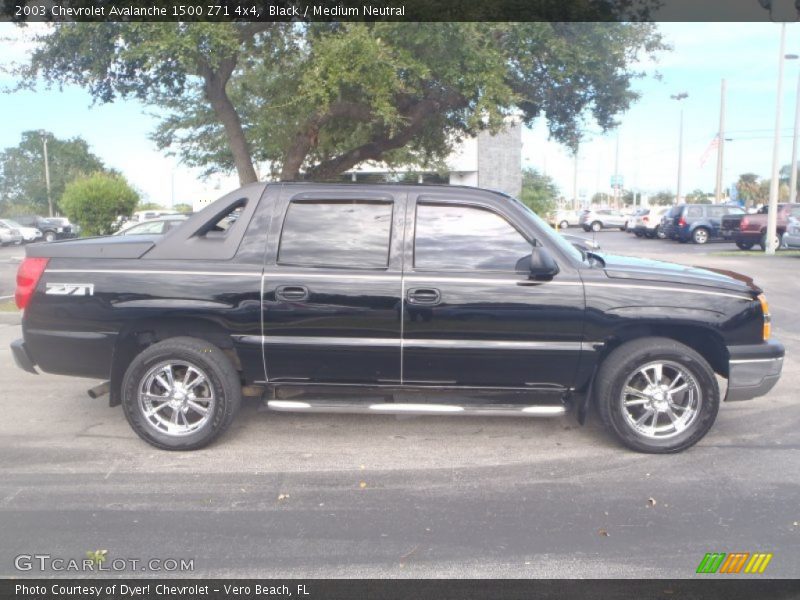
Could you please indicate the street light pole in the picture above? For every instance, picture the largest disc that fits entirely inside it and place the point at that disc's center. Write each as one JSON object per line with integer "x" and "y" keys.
{"x": 720, "y": 144}
{"x": 772, "y": 216}
{"x": 679, "y": 97}
{"x": 47, "y": 173}
{"x": 793, "y": 164}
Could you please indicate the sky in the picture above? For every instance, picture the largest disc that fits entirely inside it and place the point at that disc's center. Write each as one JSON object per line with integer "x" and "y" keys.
{"x": 745, "y": 54}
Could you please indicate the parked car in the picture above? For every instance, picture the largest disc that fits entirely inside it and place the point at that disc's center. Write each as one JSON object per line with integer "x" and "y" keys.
{"x": 630, "y": 219}
{"x": 604, "y": 218}
{"x": 752, "y": 228}
{"x": 9, "y": 235}
{"x": 153, "y": 226}
{"x": 582, "y": 243}
{"x": 29, "y": 234}
{"x": 648, "y": 222}
{"x": 52, "y": 228}
{"x": 328, "y": 297}
{"x": 699, "y": 223}
{"x": 561, "y": 219}
{"x": 791, "y": 237}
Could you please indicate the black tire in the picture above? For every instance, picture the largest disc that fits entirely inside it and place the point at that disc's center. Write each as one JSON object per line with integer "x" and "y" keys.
{"x": 650, "y": 234}
{"x": 701, "y": 235}
{"x": 221, "y": 378}
{"x": 596, "y": 226}
{"x": 744, "y": 245}
{"x": 763, "y": 242}
{"x": 622, "y": 366}
{"x": 563, "y": 225}
{"x": 638, "y": 234}
{"x": 49, "y": 236}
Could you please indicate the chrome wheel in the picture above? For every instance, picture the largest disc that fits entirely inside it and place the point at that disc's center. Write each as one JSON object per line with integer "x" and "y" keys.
{"x": 176, "y": 398}
{"x": 700, "y": 236}
{"x": 661, "y": 399}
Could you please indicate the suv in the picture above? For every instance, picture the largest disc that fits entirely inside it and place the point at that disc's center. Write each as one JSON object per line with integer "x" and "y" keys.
{"x": 647, "y": 222}
{"x": 389, "y": 299}
{"x": 751, "y": 229}
{"x": 52, "y": 228}
{"x": 699, "y": 223}
{"x": 603, "y": 218}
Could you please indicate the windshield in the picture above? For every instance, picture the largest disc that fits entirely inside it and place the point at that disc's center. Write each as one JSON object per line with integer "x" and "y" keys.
{"x": 10, "y": 223}
{"x": 552, "y": 237}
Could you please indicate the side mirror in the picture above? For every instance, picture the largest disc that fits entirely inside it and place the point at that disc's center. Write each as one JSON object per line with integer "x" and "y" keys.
{"x": 542, "y": 266}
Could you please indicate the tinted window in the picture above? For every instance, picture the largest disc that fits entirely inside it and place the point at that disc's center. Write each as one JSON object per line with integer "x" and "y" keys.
{"x": 693, "y": 212}
{"x": 734, "y": 210}
{"x": 716, "y": 211}
{"x": 352, "y": 234}
{"x": 465, "y": 238}
{"x": 154, "y": 227}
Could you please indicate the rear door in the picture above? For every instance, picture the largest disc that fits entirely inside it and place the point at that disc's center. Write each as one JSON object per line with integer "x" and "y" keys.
{"x": 331, "y": 287}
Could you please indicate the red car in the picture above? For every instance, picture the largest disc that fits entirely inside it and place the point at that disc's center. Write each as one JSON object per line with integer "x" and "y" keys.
{"x": 752, "y": 229}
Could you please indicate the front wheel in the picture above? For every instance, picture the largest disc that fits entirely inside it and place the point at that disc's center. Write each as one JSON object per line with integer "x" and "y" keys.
{"x": 700, "y": 235}
{"x": 181, "y": 393}
{"x": 597, "y": 226}
{"x": 49, "y": 236}
{"x": 657, "y": 395}
{"x": 563, "y": 225}
{"x": 744, "y": 245}
{"x": 763, "y": 242}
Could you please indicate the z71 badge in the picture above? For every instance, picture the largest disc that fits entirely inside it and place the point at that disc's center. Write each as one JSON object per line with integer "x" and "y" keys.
{"x": 70, "y": 289}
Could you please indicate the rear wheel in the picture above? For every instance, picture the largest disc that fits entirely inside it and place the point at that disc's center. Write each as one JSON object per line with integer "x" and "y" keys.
{"x": 700, "y": 235}
{"x": 180, "y": 394}
{"x": 596, "y": 226}
{"x": 657, "y": 395}
{"x": 744, "y": 245}
{"x": 563, "y": 225}
{"x": 763, "y": 242}
{"x": 660, "y": 233}
{"x": 638, "y": 234}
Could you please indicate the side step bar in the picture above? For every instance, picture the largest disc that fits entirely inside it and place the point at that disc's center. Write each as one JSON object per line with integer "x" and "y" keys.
{"x": 390, "y": 408}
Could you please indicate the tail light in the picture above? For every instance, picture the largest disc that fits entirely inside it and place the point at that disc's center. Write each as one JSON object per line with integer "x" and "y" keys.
{"x": 28, "y": 275}
{"x": 744, "y": 223}
{"x": 681, "y": 222}
{"x": 767, "y": 330}
{"x": 645, "y": 219}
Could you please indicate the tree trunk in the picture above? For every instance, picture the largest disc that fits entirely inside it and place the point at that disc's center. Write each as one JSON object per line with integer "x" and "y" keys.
{"x": 214, "y": 87}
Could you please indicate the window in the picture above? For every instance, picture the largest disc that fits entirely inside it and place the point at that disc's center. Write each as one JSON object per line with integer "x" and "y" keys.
{"x": 694, "y": 212}
{"x": 717, "y": 211}
{"x": 349, "y": 233}
{"x": 734, "y": 210}
{"x": 150, "y": 228}
{"x": 464, "y": 238}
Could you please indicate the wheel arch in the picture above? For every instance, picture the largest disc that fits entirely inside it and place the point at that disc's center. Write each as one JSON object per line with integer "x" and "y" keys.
{"x": 138, "y": 335}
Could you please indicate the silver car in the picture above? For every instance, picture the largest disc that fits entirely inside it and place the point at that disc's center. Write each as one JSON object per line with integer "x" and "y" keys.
{"x": 603, "y": 218}
{"x": 791, "y": 238}
{"x": 9, "y": 235}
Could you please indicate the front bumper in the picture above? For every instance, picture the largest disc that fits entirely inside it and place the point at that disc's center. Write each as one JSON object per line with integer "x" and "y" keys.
{"x": 21, "y": 356}
{"x": 754, "y": 370}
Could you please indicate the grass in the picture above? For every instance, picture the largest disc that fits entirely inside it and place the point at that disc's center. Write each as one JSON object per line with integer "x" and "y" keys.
{"x": 8, "y": 306}
{"x": 755, "y": 253}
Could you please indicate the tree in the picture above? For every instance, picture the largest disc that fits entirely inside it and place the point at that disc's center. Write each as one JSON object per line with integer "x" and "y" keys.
{"x": 142, "y": 205}
{"x": 22, "y": 180}
{"x": 698, "y": 196}
{"x": 313, "y": 100}
{"x": 182, "y": 207}
{"x": 95, "y": 201}
{"x": 538, "y": 192}
{"x": 751, "y": 190}
{"x": 601, "y": 198}
{"x": 663, "y": 198}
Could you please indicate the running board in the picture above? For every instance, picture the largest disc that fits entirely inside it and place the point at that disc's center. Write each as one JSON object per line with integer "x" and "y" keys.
{"x": 398, "y": 408}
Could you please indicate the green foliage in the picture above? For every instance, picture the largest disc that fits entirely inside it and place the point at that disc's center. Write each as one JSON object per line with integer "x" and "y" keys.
{"x": 752, "y": 190}
{"x": 313, "y": 100}
{"x": 149, "y": 206}
{"x": 698, "y": 196}
{"x": 22, "y": 181}
{"x": 601, "y": 198}
{"x": 539, "y": 192}
{"x": 662, "y": 198}
{"x": 182, "y": 207}
{"x": 95, "y": 201}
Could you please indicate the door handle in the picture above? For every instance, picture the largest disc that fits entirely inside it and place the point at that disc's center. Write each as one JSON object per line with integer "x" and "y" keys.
{"x": 424, "y": 296}
{"x": 291, "y": 293}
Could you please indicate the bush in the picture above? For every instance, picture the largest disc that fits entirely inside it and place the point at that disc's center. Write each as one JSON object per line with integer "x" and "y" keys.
{"x": 94, "y": 202}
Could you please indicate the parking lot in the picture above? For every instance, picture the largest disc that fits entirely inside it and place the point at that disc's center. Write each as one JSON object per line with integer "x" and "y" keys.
{"x": 380, "y": 496}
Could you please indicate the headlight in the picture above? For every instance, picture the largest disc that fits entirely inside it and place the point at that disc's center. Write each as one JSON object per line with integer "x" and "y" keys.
{"x": 59, "y": 229}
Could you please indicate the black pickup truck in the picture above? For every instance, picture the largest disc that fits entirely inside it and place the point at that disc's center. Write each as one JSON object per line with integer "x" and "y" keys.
{"x": 389, "y": 299}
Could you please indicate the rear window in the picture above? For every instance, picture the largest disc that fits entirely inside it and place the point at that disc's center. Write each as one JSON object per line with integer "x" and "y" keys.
{"x": 350, "y": 233}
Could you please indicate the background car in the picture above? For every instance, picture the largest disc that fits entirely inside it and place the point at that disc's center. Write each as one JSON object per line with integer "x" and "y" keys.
{"x": 153, "y": 226}
{"x": 791, "y": 237}
{"x": 9, "y": 235}
{"x": 752, "y": 228}
{"x": 52, "y": 228}
{"x": 582, "y": 243}
{"x": 604, "y": 218}
{"x": 561, "y": 219}
{"x": 698, "y": 223}
{"x": 647, "y": 222}
{"x": 29, "y": 234}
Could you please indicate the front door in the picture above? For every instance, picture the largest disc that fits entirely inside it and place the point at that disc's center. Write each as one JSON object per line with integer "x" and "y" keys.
{"x": 331, "y": 288}
{"x": 472, "y": 316}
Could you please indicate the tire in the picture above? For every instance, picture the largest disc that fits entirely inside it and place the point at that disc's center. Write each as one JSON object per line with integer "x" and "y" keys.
{"x": 744, "y": 245}
{"x": 596, "y": 226}
{"x": 650, "y": 234}
{"x": 763, "y": 242}
{"x": 700, "y": 235}
{"x": 623, "y": 368}
{"x": 638, "y": 234}
{"x": 220, "y": 394}
{"x": 563, "y": 225}
{"x": 660, "y": 233}
{"x": 49, "y": 236}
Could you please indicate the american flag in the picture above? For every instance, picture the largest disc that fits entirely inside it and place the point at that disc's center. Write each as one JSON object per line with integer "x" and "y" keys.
{"x": 713, "y": 145}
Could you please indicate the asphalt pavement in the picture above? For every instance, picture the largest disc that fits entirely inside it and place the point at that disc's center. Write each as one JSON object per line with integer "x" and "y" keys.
{"x": 379, "y": 496}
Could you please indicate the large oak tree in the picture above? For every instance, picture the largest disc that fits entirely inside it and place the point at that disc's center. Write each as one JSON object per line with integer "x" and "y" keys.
{"x": 313, "y": 100}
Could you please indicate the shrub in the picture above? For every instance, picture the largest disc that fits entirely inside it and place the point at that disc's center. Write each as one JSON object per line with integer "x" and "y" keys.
{"x": 94, "y": 202}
